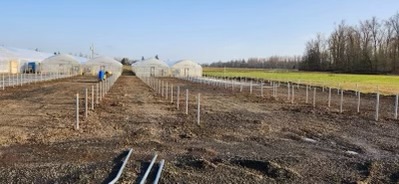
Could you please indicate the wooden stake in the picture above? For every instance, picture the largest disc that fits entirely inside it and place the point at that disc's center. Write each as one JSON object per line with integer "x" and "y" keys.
{"x": 77, "y": 111}
{"x": 396, "y": 106}
{"x": 307, "y": 94}
{"x": 178, "y": 97}
{"x": 86, "y": 103}
{"x": 377, "y": 105}
{"x": 92, "y": 97}
{"x": 198, "y": 109}
{"x": 261, "y": 89}
{"x": 358, "y": 102}
{"x": 186, "y": 101}
{"x": 171, "y": 93}
{"x": 342, "y": 100}
{"x": 329, "y": 96}
{"x": 166, "y": 90}
{"x": 250, "y": 87}
{"x": 293, "y": 94}
{"x": 314, "y": 97}
{"x": 97, "y": 91}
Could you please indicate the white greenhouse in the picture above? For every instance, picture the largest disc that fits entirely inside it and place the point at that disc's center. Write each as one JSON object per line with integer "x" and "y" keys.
{"x": 62, "y": 63}
{"x": 186, "y": 68}
{"x": 151, "y": 67}
{"x": 14, "y": 60}
{"x": 94, "y": 65}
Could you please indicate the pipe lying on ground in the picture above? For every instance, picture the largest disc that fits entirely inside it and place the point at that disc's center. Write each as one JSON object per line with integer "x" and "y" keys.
{"x": 122, "y": 167}
{"x": 147, "y": 172}
{"x": 158, "y": 176}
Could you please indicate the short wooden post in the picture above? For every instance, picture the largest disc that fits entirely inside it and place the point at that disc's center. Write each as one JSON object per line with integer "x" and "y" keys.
{"x": 396, "y": 105}
{"x": 186, "y": 101}
{"x": 307, "y": 94}
{"x": 97, "y": 95}
{"x": 314, "y": 97}
{"x": 341, "y": 101}
{"x": 92, "y": 97}
{"x": 288, "y": 91}
{"x": 167, "y": 91}
{"x": 162, "y": 88}
{"x": 261, "y": 89}
{"x": 293, "y": 94}
{"x": 77, "y": 111}
{"x": 377, "y": 105}
{"x": 86, "y": 103}
{"x": 178, "y": 97}
{"x": 198, "y": 109}
{"x": 101, "y": 91}
{"x": 240, "y": 86}
{"x": 3, "y": 81}
{"x": 171, "y": 94}
{"x": 250, "y": 87}
{"x": 329, "y": 96}
{"x": 358, "y": 102}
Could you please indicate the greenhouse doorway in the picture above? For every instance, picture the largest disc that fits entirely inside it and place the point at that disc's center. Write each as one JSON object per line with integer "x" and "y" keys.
{"x": 152, "y": 71}
{"x": 186, "y": 72}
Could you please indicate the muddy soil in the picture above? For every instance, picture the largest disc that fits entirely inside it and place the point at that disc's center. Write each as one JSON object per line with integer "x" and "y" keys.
{"x": 241, "y": 138}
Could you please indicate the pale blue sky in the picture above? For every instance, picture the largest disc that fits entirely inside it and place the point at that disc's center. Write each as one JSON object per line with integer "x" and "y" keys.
{"x": 202, "y": 30}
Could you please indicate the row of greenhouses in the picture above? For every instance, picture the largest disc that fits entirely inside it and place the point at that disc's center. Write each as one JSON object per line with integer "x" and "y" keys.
{"x": 157, "y": 68}
{"x": 15, "y": 60}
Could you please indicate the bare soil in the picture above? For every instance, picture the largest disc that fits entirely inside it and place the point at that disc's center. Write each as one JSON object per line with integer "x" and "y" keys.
{"x": 242, "y": 138}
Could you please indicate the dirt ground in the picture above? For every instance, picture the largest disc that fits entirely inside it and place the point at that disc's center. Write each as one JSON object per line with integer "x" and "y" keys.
{"x": 242, "y": 138}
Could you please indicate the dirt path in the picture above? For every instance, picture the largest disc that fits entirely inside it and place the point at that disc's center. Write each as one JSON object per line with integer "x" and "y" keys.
{"x": 241, "y": 139}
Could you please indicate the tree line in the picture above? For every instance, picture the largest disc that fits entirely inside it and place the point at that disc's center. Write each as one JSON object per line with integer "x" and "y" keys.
{"x": 269, "y": 63}
{"x": 372, "y": 46}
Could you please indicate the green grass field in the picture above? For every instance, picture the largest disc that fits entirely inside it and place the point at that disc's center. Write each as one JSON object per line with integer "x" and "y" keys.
{"x": 387, "y": 84}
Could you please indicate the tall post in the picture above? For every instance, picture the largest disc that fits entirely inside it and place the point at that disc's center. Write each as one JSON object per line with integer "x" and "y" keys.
{"x": 329, "y": 96}
{"x": 314, "y": 97}
{"x": 261, "y": 89}
{"x": 198, "y": 109}
{"x": 307, "y": 94}
{"x": 341, "y": 101}
{"x": 166, "y": 90}
{"x": 358, "y": 102}
{"x": 293, "y": 94}
{"x": 92, "y": 97}
{"x": 377, "y": 105}
{"x": 276, "y": 89}
{"x": 171, "y": 94}
{"x": 86, "y": 101}
{"x": 97, "y": 91}
{"x": 396, "y": 105}
{"x": 288, "y": 91}
{"x": 3, "y": 81}
{"x": 101, "y": 91}
{"x": 250, "y": 87}
{"x": 186, "y": 101}
{"x": 178, "y": 97}
{"x": 162, "y": 88}
{"x": 77, "y": 111}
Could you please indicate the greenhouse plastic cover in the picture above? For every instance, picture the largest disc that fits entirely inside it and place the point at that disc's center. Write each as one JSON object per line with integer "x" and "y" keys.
{"x": 7, "y": 53}
{"x": 22, "y": 54}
